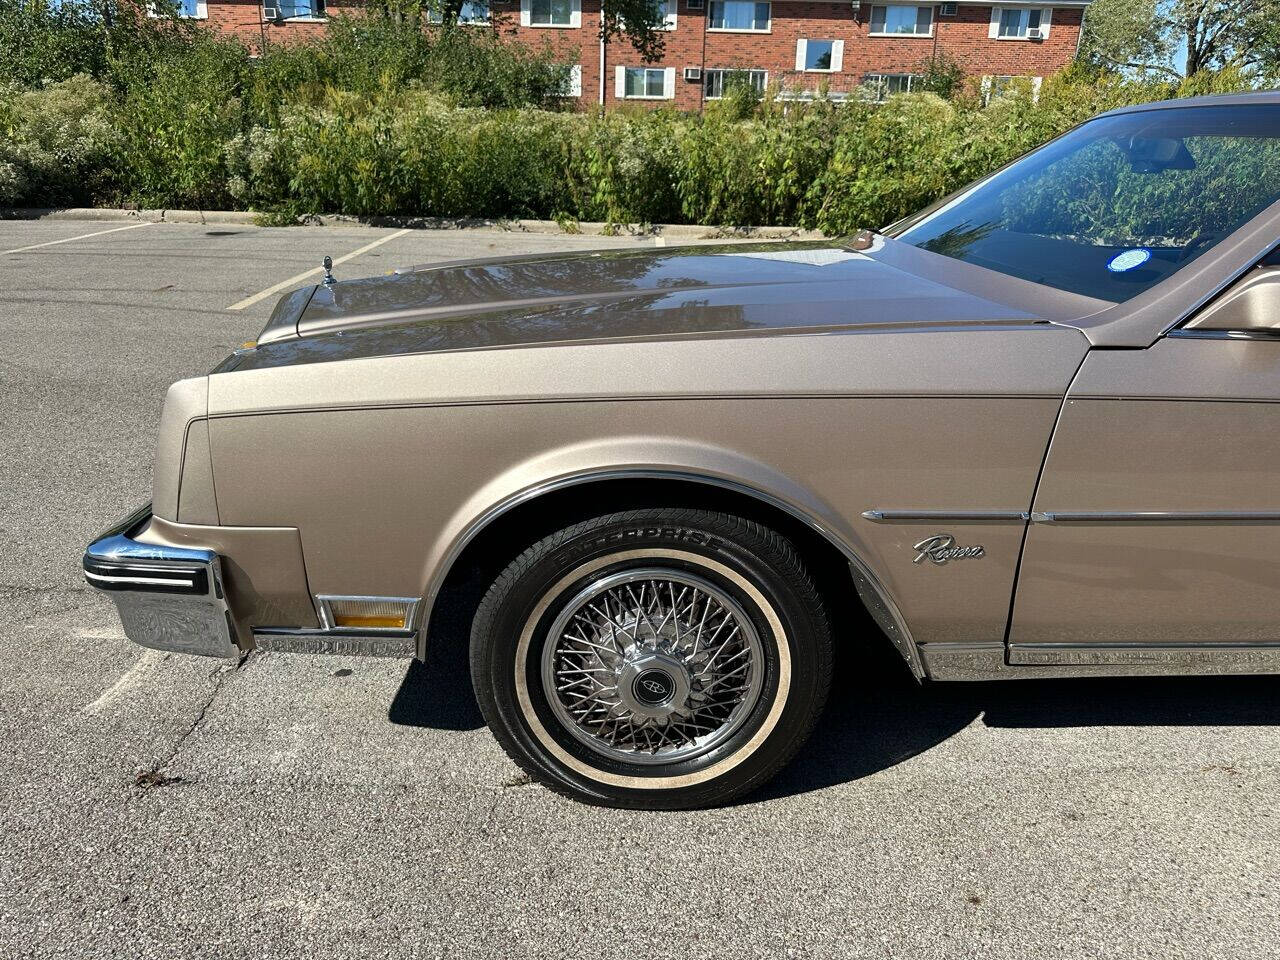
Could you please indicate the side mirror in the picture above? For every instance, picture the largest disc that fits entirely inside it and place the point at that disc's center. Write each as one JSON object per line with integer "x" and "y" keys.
{"x": 1252, "y": 305}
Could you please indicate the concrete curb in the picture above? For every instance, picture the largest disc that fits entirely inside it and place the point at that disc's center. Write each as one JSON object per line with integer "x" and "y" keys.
{"x": 670, "y": 231}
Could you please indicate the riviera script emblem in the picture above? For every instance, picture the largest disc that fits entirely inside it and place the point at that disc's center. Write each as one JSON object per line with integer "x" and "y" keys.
{"x": 943, "y": 547}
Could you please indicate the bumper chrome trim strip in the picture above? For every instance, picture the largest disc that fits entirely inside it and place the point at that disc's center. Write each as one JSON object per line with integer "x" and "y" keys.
{"x": 156, "y": 580}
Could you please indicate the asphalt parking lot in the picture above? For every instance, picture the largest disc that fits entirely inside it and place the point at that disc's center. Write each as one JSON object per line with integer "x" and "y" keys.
{"x": 323, "y": 807}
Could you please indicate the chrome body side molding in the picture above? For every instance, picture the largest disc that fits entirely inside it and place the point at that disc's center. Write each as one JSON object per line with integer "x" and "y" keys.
{"x": 1045, "y": 661}
{"x": 1156, "y": 516}
{"x": 865, "y": 579}
{"x": 946, "y": 516}
{"x": 337, "y": 642}
{"x": 1200, "y": 658}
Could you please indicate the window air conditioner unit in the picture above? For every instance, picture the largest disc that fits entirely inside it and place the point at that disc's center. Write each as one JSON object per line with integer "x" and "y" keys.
{"x": 1036, "y": 34}
{"x": 270, "y": 13}
{"x": 695, "y": 4}
{"x": 693, "y": 73}
{"x": 948, "y": 9}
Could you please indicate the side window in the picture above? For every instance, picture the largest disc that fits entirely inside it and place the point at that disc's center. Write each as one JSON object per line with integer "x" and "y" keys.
{"x": 1272, "y": 259}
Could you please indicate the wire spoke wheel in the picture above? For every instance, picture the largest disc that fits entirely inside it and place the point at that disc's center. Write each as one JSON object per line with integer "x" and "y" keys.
{"x": 652, "y": 666}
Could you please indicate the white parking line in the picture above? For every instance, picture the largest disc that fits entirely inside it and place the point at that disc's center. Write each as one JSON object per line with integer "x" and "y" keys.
{"x": 83, "y": 236}
{"x": 293, "y": 281}
{"x": 132, "y": 678}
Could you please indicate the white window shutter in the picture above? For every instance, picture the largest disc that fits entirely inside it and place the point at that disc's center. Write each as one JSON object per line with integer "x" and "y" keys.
{"x": 526, "y": 12}
{"x": 575, "y": 14}
{"x": 993, "y": 30}
{"x": 619, "y": 82}
{"x": 202, "y": 11}
{"x": 837, "y": 56}
{"x": 1045, "y": 16}
{"x": 669, "y": 21}
{"x": 575, "y": 80}
{"x": 1035, "y": 88}
{"x": 669, "y": 83}
{"x": 802, "y": 49}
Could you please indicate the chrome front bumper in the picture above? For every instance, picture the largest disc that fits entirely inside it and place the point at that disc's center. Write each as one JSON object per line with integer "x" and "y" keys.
{"x": 169, "y": 598}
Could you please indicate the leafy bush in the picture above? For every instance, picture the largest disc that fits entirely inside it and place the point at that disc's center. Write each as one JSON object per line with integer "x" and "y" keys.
{"x": 175, "y": 112}
{"x": 56, "y": 144}
{"x": 380, "y": 116}
{"x": 373, "y": 55}
{"x": 410, "y": 152}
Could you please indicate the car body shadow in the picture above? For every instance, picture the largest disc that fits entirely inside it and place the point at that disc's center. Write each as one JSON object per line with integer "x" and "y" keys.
{"x": 878, "y": 716}
{"x": 437, "y": 692}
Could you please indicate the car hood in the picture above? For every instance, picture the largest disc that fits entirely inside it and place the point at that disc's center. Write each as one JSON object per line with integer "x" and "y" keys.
{"x": 713, "y": 291}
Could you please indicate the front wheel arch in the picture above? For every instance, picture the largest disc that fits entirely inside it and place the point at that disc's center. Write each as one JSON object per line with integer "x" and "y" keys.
{"x": 523, "y": 519}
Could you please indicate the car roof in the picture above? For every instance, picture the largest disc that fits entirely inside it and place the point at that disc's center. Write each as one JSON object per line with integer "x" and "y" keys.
{"x": 1214, "y": 100}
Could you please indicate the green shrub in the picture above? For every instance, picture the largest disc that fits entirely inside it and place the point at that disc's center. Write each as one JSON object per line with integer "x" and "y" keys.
{"x": 409, "y": 153}
{"x": 56, "y": 144}
{"x": 175, "y": 112}
{"x": 387, "y": 116}
{"x": 629, "y": 161}
{"x": 469, "y": 67}
{"x": 754, "y": 171}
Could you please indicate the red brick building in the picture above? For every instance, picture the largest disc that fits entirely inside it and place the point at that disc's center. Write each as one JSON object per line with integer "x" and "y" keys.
{"x": 799, "y": 46}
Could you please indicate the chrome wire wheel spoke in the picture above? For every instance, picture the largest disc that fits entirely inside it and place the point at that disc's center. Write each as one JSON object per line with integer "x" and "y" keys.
{"x": 652, "y": 666}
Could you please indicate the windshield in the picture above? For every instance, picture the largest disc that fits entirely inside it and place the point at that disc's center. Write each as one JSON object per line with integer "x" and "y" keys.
{"x": 1118, "y": 204}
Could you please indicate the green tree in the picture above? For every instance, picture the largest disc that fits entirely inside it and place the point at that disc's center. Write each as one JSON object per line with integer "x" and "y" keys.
{"x": 639, "y": 21}
{"x": 1149, "y": 36}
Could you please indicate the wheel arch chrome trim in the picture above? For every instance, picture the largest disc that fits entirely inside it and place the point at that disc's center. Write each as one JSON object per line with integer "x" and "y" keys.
{"x": 884, "y": 610}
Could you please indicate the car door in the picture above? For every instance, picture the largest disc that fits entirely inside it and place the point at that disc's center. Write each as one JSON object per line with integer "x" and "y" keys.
{"x": 1155, "y": 534}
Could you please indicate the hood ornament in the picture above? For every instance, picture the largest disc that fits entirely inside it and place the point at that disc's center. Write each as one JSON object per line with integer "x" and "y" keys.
{"x": 329, "y": 278}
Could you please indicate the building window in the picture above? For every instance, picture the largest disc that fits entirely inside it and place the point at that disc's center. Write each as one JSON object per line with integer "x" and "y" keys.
{"x": 808, "y": 96}
{"x": 645, "y": 83}
{"x": 550, "y": 13}
{"x": 298, "y": 9}
{"x": 820, "y": 56}
{"x": 739, "y": 15}
{"x": 896, "y": 21}
{"x": 715, "y": 81}
{"x": 572, "y": 86}
{"x": 1019, "y": 23}
{"x": 186, "y": 9}
{"x": 473, "y": 11}
{"x": 994, "y": 87}
{"x": 668, "y": 8}
{"x": 882, "y": 86}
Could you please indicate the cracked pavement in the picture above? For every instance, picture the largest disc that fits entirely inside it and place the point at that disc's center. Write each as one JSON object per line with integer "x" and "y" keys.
{"x": 162, "y": 806}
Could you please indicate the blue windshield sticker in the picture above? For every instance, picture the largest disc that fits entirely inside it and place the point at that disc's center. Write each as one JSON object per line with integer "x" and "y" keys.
{"x": 1128, "y": 260}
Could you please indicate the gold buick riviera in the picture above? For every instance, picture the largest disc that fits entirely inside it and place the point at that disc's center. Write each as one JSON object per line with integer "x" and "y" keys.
{"x": 1030, "y": 431}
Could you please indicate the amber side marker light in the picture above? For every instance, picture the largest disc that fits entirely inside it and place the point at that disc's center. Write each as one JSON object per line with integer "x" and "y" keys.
{"x": 355, "y": 620}
{"x": 367, "y": 613}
